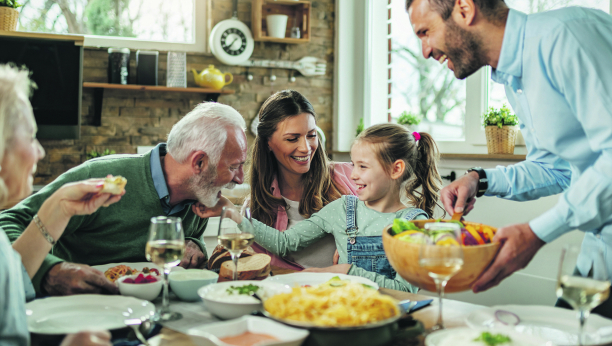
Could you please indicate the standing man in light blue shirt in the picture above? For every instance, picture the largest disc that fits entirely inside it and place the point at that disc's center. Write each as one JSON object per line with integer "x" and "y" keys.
{"x": 557, "y": 72}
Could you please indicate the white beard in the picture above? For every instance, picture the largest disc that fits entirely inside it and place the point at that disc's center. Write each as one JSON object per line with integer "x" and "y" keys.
{"x": 205, "y": 191}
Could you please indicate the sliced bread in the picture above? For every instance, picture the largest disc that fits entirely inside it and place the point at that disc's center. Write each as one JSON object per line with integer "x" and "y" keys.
{"x": 221, "y": 255}
{"x": 255, "y": 267}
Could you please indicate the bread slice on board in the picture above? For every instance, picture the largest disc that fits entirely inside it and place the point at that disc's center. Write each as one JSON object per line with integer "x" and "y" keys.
{"x": 255, "y": 267}
{"x": 220, "y": 255}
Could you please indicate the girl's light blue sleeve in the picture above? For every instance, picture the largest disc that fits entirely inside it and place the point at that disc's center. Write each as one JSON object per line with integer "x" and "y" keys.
{"x": 30, "y": 293}
{"x": 298, "y": 237}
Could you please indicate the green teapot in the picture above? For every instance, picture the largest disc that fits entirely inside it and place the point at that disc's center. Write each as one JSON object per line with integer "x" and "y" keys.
{"x": 212, "y": 78}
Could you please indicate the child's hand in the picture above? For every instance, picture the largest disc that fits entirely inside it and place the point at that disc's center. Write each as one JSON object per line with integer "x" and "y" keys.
{"x": 205, "y": 212}
{"x": 336, "y": 257}
{"x": 338, "y": 269}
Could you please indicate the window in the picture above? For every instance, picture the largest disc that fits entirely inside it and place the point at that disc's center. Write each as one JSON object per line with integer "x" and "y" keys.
{"x": 423, "y": 87}
{"x": 450, "y": 108}
{"x": 136, "y": 24}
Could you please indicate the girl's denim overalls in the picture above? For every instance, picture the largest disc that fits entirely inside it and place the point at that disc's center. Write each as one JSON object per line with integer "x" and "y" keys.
{"x": 367, "y": 251}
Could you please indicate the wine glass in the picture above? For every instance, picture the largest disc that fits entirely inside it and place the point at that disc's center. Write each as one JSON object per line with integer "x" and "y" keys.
{"x": 166, "y": 247}
{"x": 441, "y": 261}
{"x": 582, "y": 293}
{"x": 235, "y": 239}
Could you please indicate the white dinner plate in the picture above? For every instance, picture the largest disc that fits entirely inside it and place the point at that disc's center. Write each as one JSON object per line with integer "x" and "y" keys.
{"x": 71, "y": 314}
{"x": 464, "y": 336}
{"x": 136, "y": 265}
{"x": 301, "y": 279}
{"x": 558, "y": 325}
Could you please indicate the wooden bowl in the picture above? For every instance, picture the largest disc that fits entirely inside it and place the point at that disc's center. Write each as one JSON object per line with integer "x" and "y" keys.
{"x": 404, "y": 257}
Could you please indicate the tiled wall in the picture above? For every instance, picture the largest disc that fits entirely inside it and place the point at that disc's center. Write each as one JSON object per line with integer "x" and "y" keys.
{"x": 136, "y": 118}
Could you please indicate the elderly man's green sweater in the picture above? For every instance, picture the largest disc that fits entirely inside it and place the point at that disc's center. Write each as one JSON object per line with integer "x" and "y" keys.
{"x": 117, "y": 233}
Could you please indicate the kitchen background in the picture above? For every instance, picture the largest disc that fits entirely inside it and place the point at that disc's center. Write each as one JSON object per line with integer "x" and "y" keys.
{"x": 143, "y": 118}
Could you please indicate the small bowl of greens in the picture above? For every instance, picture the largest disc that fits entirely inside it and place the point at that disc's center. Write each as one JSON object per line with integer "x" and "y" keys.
{"x": 232, "y": 299}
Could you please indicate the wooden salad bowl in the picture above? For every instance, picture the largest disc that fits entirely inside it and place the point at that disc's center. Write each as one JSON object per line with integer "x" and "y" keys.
{"x": 404, "y": 257}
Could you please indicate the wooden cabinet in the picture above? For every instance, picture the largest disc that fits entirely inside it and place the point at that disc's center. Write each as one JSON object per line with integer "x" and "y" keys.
{"x": 298, "y": 12}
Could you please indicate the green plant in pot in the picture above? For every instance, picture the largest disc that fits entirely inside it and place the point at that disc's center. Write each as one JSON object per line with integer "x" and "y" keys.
{"x": 409, "y": 119}
{"x": 9, "y": 15}
{"x": 500, "y": 129}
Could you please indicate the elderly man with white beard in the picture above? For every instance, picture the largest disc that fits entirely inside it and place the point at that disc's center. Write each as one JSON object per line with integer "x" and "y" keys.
{"x": 205, "y": 153}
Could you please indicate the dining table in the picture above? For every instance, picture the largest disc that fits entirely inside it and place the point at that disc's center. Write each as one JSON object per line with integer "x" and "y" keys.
{"x": 454, "y": 313}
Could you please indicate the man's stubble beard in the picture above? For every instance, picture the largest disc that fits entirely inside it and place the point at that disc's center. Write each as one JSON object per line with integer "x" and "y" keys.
{"x": 464, "y": 49}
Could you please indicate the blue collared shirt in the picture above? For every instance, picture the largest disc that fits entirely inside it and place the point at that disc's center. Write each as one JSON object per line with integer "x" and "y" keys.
{"x": 160, "y": 182}
{"x": 556, "y": 67}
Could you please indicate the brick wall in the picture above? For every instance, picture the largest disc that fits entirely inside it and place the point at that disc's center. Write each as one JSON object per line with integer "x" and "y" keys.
{"x": 136, "y": 118}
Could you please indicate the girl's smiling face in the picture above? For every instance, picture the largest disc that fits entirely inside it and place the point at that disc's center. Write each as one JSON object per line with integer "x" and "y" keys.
{"x": 374, "y": 184}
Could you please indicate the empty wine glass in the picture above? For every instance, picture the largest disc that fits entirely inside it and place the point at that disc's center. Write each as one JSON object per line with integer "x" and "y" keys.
{"x": 235, "y": 239}
{"x": 582, "y": 293}
{"x": 166, "y": 247}
{"x": 441, "y": 261}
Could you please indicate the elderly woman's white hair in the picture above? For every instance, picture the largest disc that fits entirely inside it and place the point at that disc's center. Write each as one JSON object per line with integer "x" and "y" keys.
{"x": 15, "y": 89}
{"x": 204, "y": 128}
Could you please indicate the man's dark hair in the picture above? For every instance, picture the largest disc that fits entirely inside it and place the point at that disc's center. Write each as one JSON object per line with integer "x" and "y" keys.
{"x": 489, "y": 8}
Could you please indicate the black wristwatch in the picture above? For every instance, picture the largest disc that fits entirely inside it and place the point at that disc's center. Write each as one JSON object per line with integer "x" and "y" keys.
{"x": 483, "y": 182}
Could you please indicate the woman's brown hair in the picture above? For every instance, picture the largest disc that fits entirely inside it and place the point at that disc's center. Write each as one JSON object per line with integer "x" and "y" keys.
{"x": 319, "y": 188}
{"x": 392, "y": 142}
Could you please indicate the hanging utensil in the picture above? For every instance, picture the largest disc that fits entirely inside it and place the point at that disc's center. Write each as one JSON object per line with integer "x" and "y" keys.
{"x": 307, "y": 66}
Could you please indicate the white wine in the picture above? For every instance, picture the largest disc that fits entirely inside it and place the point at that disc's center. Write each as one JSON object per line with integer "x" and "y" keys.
{"x": 165, "y": 252}
{"x": 582, "y": 293}
{"x": 441, "y": 268}
{"x": 236, "y": 242}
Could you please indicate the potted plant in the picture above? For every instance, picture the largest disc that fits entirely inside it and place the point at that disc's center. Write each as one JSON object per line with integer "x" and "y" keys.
{"x": 409, "y": 119}
{"x": 500, "y": 129}
{"x": 8, "y": 15}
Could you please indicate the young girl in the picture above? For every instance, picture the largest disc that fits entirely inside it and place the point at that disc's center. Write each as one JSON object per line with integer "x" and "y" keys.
{"x": 384, "y": 156}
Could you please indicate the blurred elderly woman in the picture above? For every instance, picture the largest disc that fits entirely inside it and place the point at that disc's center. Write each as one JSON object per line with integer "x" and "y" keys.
{"x": 19, "y": 153}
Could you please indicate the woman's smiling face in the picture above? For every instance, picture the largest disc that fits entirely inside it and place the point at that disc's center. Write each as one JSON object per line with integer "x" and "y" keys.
{"x": 294, "y": 143}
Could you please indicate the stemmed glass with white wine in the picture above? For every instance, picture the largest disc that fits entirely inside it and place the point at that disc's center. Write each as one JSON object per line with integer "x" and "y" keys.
{"x": 166, "y": 247}
{"x": 441, "y": 261}
{"x": 582, "y": 293}
{"x": 235, "y": 239}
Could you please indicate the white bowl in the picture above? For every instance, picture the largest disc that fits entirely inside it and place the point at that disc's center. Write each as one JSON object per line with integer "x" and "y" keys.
{"x": 226, "y": 306}
{"x": 464, "y": 336}
{"x": 185, "y": 283}
{"x": 148, "y": 291}
{"x": 210, "y": 334}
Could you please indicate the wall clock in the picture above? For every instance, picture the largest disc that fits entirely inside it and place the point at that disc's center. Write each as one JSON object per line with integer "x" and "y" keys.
{"x": 231, "y": 41}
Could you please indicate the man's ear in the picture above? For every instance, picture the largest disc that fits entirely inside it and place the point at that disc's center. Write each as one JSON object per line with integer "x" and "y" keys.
{"x": 399, "y": 166}
{"x": 199, "y": 161}
{"x": 464, "y": 12}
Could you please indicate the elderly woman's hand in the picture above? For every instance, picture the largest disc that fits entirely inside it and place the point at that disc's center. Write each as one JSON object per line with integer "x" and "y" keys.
{"x": 83, "y": 197}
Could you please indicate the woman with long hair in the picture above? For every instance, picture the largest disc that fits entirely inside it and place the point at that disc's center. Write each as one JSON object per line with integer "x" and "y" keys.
{"x": 291, "y": 177}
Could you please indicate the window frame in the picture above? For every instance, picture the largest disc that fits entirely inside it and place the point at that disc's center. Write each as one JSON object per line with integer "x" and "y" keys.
{"x": 202, "y": 29}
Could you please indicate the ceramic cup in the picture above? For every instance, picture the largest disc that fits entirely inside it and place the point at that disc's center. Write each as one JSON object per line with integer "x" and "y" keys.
{"x": 277, "y": 25}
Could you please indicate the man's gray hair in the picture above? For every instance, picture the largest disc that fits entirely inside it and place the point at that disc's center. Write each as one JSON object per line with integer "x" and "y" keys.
{"x": 204, "y": 128}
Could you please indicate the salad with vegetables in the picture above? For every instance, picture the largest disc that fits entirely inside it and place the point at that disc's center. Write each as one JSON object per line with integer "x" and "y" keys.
{"x": 470, "y": 234}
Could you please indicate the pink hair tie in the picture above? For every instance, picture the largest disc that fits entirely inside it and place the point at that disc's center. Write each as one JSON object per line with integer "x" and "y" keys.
{"x": 417, "y": 136}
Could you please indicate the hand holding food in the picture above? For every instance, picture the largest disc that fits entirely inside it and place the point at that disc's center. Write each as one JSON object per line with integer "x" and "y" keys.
{"x": 460, "y": 195}
{"x": 230, "y": 210}
{"x": 71, "y": 278}
{"x": 114, "y": 185}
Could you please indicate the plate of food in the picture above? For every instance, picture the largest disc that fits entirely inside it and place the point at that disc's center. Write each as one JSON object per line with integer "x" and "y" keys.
{"x": 312, "y": 279}
{"x": 336, "y": 303}
{"x": 114, "y": 271}
{"x": 465, "y": 336}
{"x": 558, "y": 325}
{"x": 72, "y": 314}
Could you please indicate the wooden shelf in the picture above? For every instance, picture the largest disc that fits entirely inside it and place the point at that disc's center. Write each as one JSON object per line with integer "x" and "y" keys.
{"x": 78, "y": 39}
{"x": 298, "y": 12}
{"x": 98, "y": 96}
{"x": 154, "y": 88}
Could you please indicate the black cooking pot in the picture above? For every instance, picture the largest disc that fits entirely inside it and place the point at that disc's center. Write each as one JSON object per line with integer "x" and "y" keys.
{"x": 374, "y": 334}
